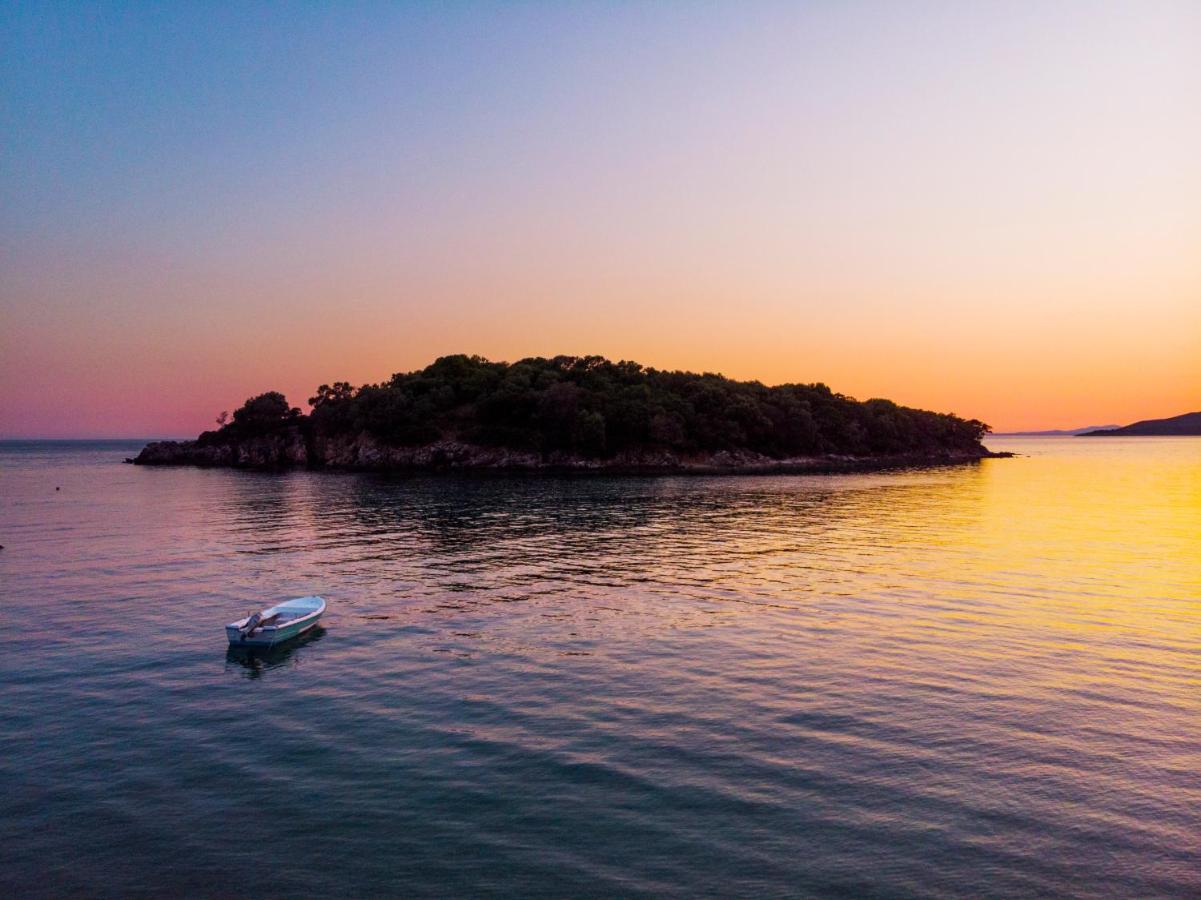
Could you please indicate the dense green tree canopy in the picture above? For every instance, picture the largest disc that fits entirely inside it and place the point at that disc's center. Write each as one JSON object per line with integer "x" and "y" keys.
{"x": 592, "y": 407}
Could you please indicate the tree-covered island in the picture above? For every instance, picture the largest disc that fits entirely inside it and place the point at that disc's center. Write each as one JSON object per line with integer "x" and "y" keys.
{"x": 575, "y": 413}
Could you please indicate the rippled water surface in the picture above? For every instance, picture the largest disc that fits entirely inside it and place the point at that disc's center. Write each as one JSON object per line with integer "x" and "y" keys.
{"x": 972, "y": 681}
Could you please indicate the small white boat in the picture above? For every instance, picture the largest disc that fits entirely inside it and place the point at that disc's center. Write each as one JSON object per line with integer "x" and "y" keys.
{"x": 276, "y": 624}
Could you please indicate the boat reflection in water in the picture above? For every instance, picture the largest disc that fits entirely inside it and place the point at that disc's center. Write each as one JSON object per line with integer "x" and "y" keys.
{"x": 257, "y": 660}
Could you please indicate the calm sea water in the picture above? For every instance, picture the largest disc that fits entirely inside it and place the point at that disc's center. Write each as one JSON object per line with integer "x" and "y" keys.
{"x": 973, "y": 681}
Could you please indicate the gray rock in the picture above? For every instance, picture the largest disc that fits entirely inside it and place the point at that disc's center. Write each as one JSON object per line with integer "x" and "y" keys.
{"x": 361, "y": 451}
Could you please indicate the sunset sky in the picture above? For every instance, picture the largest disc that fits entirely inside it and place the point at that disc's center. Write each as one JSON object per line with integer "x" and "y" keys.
{"x": 987, "y": 209}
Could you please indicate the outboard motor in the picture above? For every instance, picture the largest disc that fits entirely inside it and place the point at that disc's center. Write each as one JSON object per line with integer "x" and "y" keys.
{"x": 251, "y": 624}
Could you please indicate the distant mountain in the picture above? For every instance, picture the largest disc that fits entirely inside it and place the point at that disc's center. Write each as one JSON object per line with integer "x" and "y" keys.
{"x": 1061, "y": 432}
{"x": 1187, "y": 424}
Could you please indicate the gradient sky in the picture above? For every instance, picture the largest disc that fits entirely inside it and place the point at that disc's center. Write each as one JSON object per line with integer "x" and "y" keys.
{"x": 990, "y": 209}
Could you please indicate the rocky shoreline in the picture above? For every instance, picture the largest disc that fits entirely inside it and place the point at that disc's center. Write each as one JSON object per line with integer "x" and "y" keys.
{"x": 362, "y": 453}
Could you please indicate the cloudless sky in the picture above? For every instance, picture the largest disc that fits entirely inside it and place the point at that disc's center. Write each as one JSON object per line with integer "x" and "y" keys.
{"x": 989, "y": 208}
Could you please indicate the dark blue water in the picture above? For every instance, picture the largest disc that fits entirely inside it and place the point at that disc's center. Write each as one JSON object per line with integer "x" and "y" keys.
{"x": 973, "y": 681}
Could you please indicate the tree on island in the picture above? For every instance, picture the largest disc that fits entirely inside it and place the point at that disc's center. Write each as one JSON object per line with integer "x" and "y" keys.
{"x": 260, "y": 416}
{"x": 591, "y": 407}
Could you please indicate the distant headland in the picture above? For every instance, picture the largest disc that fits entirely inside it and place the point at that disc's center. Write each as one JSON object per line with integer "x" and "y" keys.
{"x": 1054, "y": 432}
{"x": 574, "y": 413}
{"x": 1185, "y": 425}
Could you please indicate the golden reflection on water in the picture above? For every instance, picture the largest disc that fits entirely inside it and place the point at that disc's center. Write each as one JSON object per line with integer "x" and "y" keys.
{"x": 1104, "y": 540}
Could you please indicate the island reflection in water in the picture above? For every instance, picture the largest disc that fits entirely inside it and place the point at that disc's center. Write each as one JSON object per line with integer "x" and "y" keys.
{"x": 980, "y": 680}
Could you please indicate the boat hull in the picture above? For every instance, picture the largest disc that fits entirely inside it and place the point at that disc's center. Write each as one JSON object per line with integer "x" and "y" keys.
{"x": 286, "y": 633}
{"x": 272, "y": 635}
